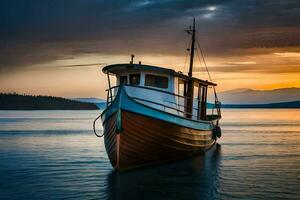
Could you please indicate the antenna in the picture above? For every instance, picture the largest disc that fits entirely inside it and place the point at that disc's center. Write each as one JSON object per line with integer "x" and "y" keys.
{"x": 132, "y": 56}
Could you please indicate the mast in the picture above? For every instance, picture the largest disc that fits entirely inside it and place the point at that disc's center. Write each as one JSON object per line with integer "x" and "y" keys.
{"x": 190, "y": 84}
{"x": 192, "y": 49}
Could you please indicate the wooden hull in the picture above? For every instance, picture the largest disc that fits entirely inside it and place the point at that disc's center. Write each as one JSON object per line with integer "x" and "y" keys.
{"x": 145, "y": 140}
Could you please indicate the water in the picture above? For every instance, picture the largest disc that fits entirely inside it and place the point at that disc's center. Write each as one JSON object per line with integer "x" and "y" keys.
{"x": 54, "y": 155}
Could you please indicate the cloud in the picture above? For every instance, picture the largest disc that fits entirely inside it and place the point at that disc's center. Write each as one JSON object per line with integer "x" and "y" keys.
{"x": 288, "y": 54}
{"x": 242, "y": 63}
{"x": 275, "y": 69}
{"x": 33, "y": 32}
{"x": 211, "y": 8}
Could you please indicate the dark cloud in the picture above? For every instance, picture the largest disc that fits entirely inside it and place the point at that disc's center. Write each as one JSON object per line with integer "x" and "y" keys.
{"x": 36, "y": 31}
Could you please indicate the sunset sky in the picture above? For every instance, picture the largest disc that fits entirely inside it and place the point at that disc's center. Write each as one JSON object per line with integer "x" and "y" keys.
{"x": 55, "y": 47}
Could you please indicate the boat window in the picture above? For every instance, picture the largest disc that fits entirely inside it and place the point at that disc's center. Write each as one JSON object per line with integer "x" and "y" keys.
{"x": 156, "y": 81}
{"x": 182, "y": 87}
{"x": 134, "y": 79}
{"x": 196, "y": 91}
{"x": 197, "y": 99}
{"x": 123, "y": 80}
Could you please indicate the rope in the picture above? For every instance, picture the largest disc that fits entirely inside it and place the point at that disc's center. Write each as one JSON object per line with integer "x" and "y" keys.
{"x": 202, "y": 56}
{"x": 198, "y": 56}
{"x": 217, "y": 102}
{"x": 94, "y": 127}
{"x": 204, "y": 62}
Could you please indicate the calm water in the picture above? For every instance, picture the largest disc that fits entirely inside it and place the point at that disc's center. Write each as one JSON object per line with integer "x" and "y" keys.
{"x": 54, "y": 155}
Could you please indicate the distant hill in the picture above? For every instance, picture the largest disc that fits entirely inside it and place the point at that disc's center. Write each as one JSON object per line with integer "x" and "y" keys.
{"x": 101, "y": 103}
{"x": 28, "y": 102}
{"x": 293, "y": 104}
{"x": 90, "y": 100}
{"x": 249, "y": 96}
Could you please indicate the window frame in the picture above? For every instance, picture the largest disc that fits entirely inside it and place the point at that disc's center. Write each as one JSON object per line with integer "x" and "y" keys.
{"x": 155, "y": 81}
{"x": 120, "y": 78}
{"x": 132, "y": 75}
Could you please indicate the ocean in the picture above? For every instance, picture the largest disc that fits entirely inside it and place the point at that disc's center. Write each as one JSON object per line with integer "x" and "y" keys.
{"x": 55, "y": 155}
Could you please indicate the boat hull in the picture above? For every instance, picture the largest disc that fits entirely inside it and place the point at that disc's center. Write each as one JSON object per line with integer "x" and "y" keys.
{"x": 145, "y": 140}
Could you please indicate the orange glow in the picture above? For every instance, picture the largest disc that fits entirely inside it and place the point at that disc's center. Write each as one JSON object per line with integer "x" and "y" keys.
{"x": 262, "y": 71}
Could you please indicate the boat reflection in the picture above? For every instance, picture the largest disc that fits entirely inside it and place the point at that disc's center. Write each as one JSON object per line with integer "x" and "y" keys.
{"x": 192, "y": 178}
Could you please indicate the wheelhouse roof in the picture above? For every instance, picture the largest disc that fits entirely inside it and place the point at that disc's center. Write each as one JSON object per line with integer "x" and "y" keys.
{"x": 119, "y": 68}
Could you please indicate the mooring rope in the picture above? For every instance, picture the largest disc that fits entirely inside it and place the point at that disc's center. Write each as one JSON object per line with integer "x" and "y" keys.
{"x": 94, "y": 127}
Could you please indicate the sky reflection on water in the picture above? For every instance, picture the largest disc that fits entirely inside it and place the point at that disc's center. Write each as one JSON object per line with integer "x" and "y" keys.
{"x": 54, "y": 155}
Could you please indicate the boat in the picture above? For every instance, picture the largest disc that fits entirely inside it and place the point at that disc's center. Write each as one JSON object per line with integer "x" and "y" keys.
{"x": 155, "y": 114}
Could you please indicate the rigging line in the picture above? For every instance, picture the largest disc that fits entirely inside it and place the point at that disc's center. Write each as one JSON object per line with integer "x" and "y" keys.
{"x": 204, "y": 62}
{"x": 217, "y": 102}
{"x": 203, "y": 59}
{"x": 198, "y": 56}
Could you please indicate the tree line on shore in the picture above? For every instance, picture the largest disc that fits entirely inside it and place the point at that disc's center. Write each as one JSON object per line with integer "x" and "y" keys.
{"x": 14, "y": 101}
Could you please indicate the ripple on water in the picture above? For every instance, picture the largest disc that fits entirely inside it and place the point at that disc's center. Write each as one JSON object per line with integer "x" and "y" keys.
{"x": 54, "y": 155}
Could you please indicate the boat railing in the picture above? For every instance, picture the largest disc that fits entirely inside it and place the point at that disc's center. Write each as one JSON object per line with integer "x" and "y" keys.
{"x": 176, "y": 104}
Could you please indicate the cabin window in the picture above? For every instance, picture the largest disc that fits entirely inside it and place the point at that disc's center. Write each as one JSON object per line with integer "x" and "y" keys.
{"x": 198, "y": 99}
{"x": 182, "y": 87}
{"x": 182, "y": 90}
{"x": 134, "y": 79}
{"x": 156, "y": 81}
{"x": 123, "y": 80}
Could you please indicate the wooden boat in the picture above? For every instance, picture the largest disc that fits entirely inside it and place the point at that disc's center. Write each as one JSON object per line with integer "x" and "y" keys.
{"x": 155, "y": 114}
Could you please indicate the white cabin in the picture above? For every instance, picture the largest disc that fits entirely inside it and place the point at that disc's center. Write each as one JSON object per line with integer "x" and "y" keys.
{"x": 161, "y": 88}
